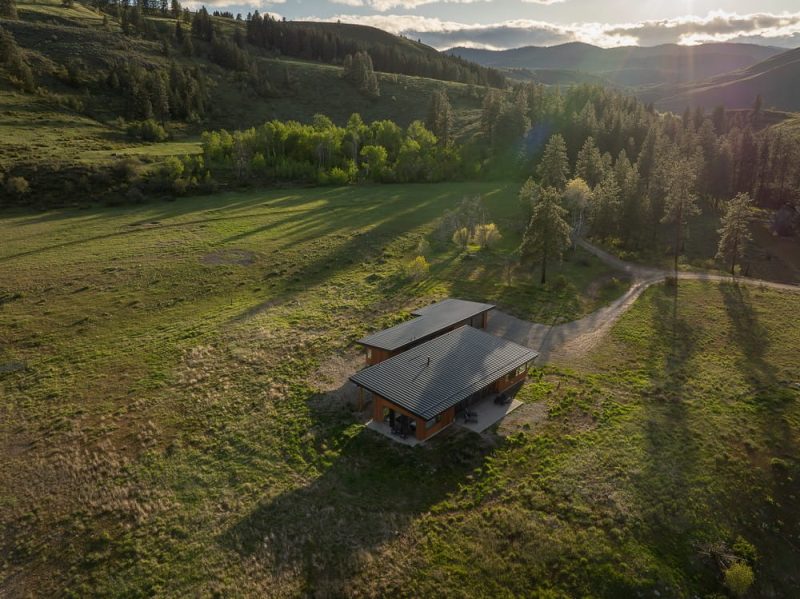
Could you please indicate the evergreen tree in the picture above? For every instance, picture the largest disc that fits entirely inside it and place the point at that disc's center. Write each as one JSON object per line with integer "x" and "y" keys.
{"x": 735, "y": 231}
{"x": 548, "y": 233}
{"x": 440, "y": 117}
{"x": 554, "y": 166}
{"x": 589, "y": 165}
{"x": 680, "y": 201}
{"x": 528, "y": 196}
{"x": 605, "y": 207}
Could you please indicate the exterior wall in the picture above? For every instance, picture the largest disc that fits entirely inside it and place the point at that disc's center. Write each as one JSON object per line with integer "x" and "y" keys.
{"x": 447, "y": 417}
{"x": 374, "y": 355}
{"x": 505, "y": 382}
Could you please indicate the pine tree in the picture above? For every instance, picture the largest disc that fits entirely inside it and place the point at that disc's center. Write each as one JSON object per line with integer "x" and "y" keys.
{"x": 548, "y": 232}
{"x": 554, "y": 166}
{"x": 528, "y": 196}
{"x": 589, "y": 164}
{"x": 605, "y": 207}
{"x": 735, "y": 231}
{"x": 440, "y": 117}
{"x": 680, "y": 201}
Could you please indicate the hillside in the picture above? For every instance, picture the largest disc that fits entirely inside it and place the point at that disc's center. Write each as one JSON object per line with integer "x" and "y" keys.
{"x": 75, "y": 114}
{"x": 776, "y": 80}
{"x": 631, "y": 65}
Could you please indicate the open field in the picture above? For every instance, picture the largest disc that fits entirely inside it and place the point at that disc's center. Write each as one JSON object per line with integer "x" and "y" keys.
{"x": 170, "y": 422}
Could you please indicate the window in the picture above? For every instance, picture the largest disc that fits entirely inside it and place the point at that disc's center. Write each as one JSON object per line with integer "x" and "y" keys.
{"x": 432, "y": 422}
{"x": 369, "y": 353}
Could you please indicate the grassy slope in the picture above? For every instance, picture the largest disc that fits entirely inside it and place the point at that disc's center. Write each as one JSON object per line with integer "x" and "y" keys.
{"x": 680, "y": 434}
{"x": 169, "y": 387}
{"x": 39, "y": 128}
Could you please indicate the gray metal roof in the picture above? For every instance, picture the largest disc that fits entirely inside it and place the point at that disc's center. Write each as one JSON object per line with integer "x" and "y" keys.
{"x": 435, "y": 375}
{"x": 429, "y": 320}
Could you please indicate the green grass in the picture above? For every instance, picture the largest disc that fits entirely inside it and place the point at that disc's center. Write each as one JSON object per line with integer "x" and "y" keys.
{"x": 166, "y": 430}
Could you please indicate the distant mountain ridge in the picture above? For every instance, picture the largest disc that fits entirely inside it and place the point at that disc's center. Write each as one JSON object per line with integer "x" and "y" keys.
{"x": 776, "y": 80}
{"x": 629, "y": 65}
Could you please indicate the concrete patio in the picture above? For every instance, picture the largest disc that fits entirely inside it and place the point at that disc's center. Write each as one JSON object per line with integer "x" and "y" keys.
{"x": 488, "y": 413}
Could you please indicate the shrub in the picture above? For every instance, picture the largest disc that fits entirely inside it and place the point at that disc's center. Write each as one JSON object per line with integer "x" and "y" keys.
{"x": 339, "y": 176}
{"x": 487, "y": 235}
{"x": 148, "y": 130}
{"x": 739, "y": 578}
{"x": 461, "y": 237}
{"x": 418, "y": 268}
{"x": 172, "y": 168}
{"x": 423, "y": 247}
{"x": 17, "y": 186}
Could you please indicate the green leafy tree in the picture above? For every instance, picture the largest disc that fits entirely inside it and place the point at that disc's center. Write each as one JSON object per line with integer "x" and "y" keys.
{"x": 548, "y": 232}
{"x": 577, "y": 197}
{"x": 554, "y": 166}
{"x": 735, "y": 232}
{"x": 374, "y": 159}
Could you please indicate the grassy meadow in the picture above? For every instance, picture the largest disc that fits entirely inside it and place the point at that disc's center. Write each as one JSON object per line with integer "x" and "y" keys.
{"x": 172, "y": 421}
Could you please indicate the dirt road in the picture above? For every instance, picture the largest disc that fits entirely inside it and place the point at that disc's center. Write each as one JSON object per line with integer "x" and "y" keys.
{"x": 574, "y": 339}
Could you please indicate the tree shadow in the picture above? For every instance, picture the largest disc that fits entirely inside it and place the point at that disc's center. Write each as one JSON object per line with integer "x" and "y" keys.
{"x": 670, "y": 447}
{"x": 748, "y": 333}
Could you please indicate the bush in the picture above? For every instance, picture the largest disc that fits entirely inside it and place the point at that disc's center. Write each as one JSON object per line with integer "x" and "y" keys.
{"x": 338, "y": 176}
{"x": 487, "y": 235}
{"x": 17, "y": 186}
{"x": 461, "y": 237}
{"x": 739, "y": 578}
{"x": 418, "y": 268}
{"x": 148, "y": 130}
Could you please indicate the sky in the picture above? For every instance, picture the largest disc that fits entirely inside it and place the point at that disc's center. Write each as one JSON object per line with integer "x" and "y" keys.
{"x": 501, "y": 24}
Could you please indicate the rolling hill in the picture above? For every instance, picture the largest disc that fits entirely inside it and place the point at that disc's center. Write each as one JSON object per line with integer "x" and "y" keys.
{"x": 74, "y": 115}
{"x": 630, "y": 65}
{"x": 776, "y": 80}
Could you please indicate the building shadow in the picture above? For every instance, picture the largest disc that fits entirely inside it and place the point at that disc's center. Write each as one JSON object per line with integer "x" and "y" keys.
{"x": 322, "y": 532}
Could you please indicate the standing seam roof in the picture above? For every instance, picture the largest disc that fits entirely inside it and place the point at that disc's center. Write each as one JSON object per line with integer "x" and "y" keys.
{"x": 436, "y": 375}
{"x": 429, "y": 320}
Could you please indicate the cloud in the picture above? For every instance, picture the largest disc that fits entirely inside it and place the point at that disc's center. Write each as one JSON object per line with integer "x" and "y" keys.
{"x": 385, "y": 5}
{"x": 778, "y": 29}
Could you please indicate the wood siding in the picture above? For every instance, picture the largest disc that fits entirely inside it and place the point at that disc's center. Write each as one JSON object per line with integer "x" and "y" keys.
{"x": 447, "y": 417}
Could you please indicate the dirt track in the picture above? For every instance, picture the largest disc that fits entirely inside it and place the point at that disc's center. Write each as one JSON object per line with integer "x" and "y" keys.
{"x": 574, "y": 339}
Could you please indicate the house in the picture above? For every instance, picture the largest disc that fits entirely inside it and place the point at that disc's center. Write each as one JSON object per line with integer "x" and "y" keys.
{"x": 421, "y": 390}
{"x": 429, "y": 322}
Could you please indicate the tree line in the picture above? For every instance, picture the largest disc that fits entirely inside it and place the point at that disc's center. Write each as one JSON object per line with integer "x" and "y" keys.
{"x": 308, "y": 41}
{"x": 322, "y": 152}
{"x": 622, "y": 172}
